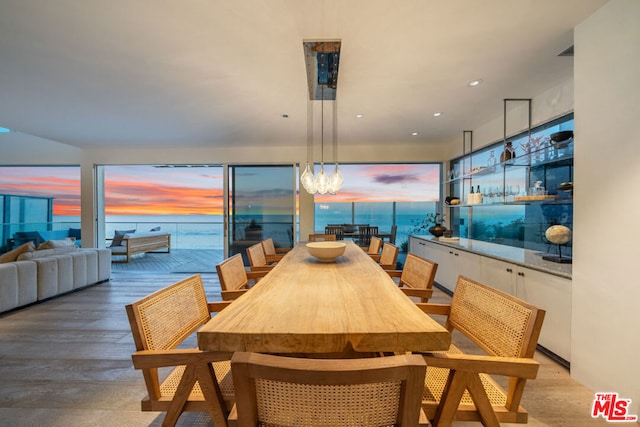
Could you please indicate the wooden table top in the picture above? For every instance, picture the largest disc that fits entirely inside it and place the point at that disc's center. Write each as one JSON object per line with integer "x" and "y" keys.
{"x": 305, "y": 306}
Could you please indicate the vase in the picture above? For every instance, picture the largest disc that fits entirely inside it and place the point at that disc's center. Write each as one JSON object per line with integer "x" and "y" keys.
{"x": 437, "y": 230}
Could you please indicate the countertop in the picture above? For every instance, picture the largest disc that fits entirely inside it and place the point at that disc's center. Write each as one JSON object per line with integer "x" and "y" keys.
{"x": 524, "y": 257}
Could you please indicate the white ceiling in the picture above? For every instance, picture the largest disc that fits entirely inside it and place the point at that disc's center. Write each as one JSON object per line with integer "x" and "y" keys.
{"x": 147, "y": 73}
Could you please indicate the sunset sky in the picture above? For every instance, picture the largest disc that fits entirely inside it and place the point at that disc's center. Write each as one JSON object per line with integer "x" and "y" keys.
{"x": 148, "y": 190}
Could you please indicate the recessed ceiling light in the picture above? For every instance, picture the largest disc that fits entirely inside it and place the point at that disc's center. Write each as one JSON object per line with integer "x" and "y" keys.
{"x": 474, "y": 83}
{"x": 414, "y": 133}
{"x": 438, "y": 114}
{"x": 359, "y": 116}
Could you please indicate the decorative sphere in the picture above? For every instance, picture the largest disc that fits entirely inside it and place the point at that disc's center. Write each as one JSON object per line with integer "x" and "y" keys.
{"x": 558, "y": 234}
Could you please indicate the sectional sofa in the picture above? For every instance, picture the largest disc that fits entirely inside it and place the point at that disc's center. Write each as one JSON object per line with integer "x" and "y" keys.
{"x": 29, "y": 275}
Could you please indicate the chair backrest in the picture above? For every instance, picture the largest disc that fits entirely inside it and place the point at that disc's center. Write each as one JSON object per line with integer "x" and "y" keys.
{"x": 165, "y": 318}
{"x": 269, "y": 247}
{"x": 161, "y": 322}
{"x": 394, "y": 231}
{"x": 232, "y": 274}
{"x": 364, "y": 234}
{"x": 500, "y": 324}
{"x": 321, "y": 237}
{"x": 335, "y": 229}
{"x": 389, "y": 255}
{"x": 256, "y": 256}
{"x": 374, "y": 246}
{"x": 286, "y": 391}
{"x": 418, "y": 272}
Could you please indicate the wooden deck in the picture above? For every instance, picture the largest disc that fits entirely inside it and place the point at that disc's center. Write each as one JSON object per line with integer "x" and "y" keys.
{"x": 177, "y": 261}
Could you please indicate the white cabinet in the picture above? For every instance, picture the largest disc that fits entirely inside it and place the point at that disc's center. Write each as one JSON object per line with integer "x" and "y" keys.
{"x": 499, "y": 274}
{"x": 544, "y": 290}
{"x": 451, "y": 262}
{"x": 553, "y": 294}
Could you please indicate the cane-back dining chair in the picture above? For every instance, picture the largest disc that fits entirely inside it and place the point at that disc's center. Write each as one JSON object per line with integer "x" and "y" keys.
{"x": 314, "y": 237}
{"x": 258, "y": 259}
{"x": 416, "y": 277}
{"x": 200, "y": 380}
{"x": 287, "y": 391}
{"x": 271, "y": 253}
{"x": 234, "y": 278}
{"x": 389, "y": 256}
{"x": 374, "y": 248}
{"x": 394, "y": 232}
{"x": 459, "y": 386}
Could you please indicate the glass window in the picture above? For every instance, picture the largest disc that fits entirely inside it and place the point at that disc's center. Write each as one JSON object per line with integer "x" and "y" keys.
{"x": 185, "y": 201}
{"x": 382, "y": 195}
{"x": 261, "y": 205}
{"x": 38, "y": 198}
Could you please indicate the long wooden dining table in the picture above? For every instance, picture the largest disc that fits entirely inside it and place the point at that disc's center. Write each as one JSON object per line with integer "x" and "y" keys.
{"x": 303, "y": 306}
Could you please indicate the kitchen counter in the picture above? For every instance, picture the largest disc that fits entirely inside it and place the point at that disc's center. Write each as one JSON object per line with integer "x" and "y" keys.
{"x": 524, "y": 257}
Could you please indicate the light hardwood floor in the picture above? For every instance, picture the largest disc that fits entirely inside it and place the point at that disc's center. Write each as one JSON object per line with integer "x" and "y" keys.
{"x": 66, "y": 362}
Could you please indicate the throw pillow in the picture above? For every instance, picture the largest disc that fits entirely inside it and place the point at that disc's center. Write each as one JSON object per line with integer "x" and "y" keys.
{"x": 44, "y": 253}
{"x": 118, "y": 235}
{"x": 25, "y": 236}
{"x": 155, "y": 229}
{"x": 13, "y": 255}
{"x": 62, "y": 243}
{"x": 75, "y": 232}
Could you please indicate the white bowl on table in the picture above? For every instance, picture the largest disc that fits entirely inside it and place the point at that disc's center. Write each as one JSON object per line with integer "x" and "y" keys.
{"x": 326, "y": 251}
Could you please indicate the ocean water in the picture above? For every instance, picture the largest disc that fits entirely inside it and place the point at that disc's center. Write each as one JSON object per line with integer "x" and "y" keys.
{"x": 207, "y": 231}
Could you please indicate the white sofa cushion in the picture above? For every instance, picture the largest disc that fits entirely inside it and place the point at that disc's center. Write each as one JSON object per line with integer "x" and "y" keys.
{"x": 47, "y": 277}
{"x": 79, "y": 262}
{"x": 8, "y": 286}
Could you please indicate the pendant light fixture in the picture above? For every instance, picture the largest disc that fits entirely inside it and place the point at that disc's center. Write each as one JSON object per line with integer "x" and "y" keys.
{"x": 322, "y": 59}
{"x": 306, "y": 178}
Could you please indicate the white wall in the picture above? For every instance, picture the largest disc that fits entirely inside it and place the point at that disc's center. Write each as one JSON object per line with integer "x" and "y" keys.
{"x": 605, "y": 341}
{"x": 554, "y": 102}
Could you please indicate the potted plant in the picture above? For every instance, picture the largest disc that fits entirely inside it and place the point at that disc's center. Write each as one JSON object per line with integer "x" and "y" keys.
{"x": 433, "y": 224}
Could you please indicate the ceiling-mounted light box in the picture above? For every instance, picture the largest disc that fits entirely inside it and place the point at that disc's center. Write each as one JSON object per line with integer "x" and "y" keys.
{"x": 322, "y": 58}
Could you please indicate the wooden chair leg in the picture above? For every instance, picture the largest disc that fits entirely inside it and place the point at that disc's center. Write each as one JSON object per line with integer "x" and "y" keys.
{"x": 212, "y": 395}
{"x": 450, "y": 400}
{"x": 180, "y": 397}
{"x": 456, "y": 385}
{"x": 481, "y": 401}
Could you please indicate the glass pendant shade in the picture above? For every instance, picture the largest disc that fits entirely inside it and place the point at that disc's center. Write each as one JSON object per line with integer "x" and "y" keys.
{"x": 322, "y": 181}
{"x": 336, "y": 180}
{"x": 307, "y": 180}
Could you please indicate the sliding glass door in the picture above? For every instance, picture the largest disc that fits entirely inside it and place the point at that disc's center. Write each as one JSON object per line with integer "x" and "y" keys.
{"x": 261, "y": 205}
